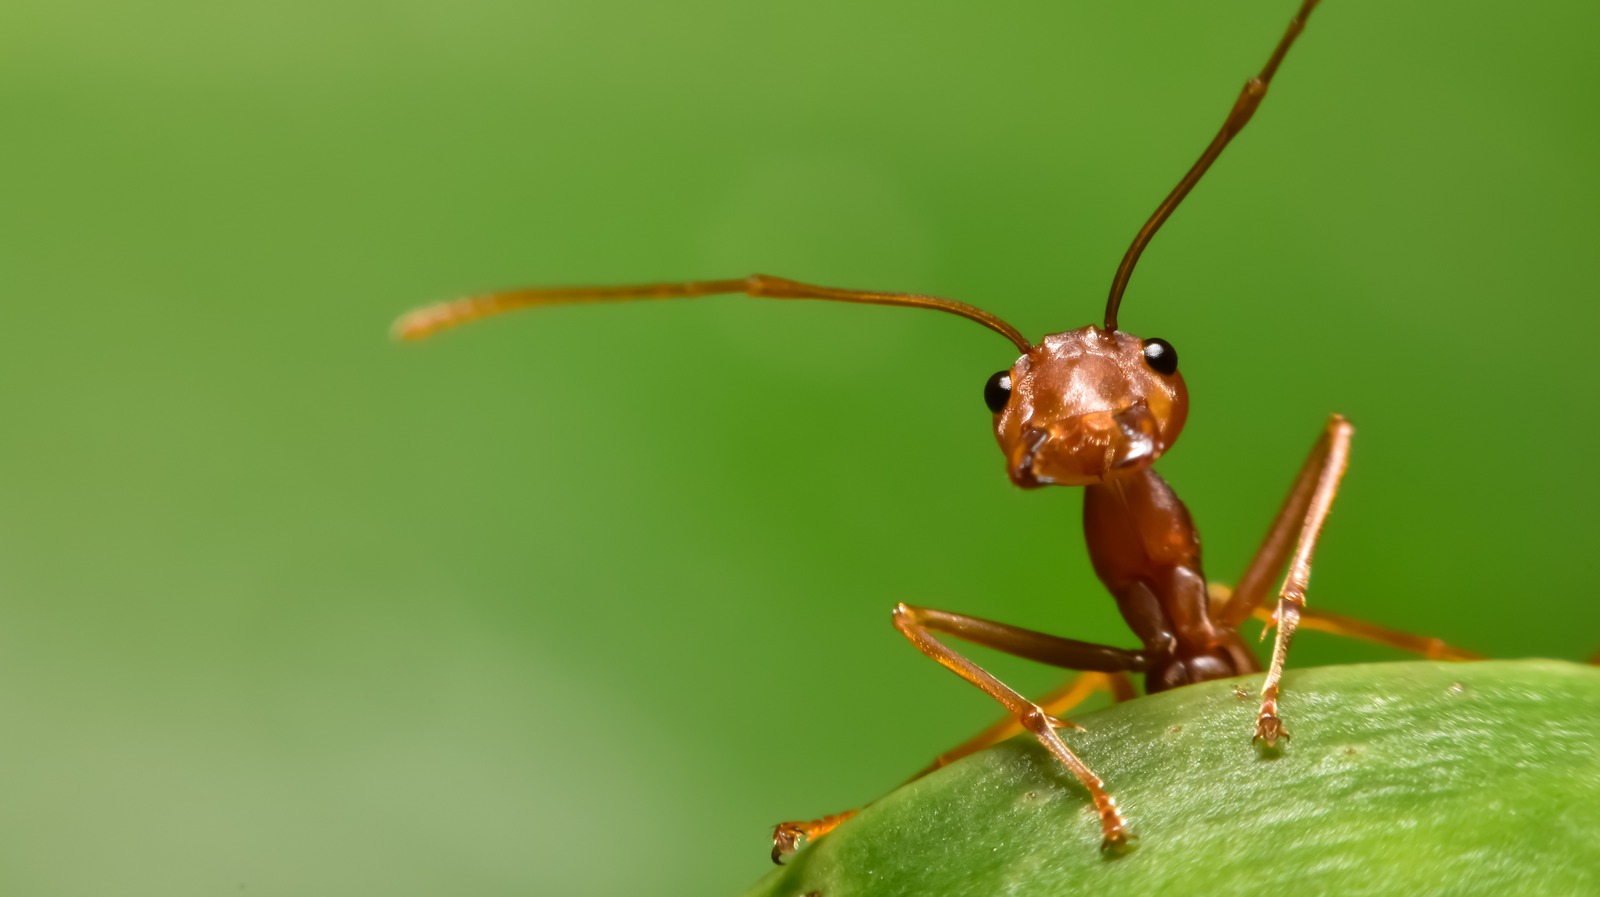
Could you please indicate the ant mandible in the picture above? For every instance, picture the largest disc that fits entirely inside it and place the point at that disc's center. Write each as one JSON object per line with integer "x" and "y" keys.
{"x": 1093, "y": 407}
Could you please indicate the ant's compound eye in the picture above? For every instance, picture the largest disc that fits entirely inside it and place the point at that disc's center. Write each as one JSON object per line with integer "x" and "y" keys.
{"x": 1162, "y": 358}
{"x": 997, "y": 392}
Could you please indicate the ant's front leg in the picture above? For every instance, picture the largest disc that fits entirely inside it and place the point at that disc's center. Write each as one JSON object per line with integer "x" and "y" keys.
{"x": 788, "y": 836}
{"x": 1073, "y": 692}
{"x": 919, "y": 624}
{"x": 1299, "y": 523}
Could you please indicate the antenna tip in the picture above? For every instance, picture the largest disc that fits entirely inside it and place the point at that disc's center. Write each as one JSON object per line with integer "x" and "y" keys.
{"x": 421, "y": 323}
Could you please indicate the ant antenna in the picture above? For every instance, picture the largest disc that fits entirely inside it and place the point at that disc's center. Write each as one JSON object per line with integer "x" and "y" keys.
{"x": 425, "y": 322}
{"x": 1244, "y": 107}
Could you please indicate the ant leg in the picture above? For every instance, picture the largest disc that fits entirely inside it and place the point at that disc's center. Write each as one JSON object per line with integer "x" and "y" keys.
{"x": 1302, "y": 516}
{"x": 1069, "y": 695}
{"x": 788, "y": 836}
{"x": 918, "y": 625}
{"x": 1350, "y": 627}
{"x": 1110, "y": 666}
{"x": 1251, "y": 590}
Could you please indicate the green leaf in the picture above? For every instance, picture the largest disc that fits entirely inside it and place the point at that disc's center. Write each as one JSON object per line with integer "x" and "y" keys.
{"x": 1407, "y": 778}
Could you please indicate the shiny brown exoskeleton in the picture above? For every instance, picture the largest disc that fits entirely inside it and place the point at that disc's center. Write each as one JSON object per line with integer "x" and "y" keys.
{"x": 1093, "y": 407}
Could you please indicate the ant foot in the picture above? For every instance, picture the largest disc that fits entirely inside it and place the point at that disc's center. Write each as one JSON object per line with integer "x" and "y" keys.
{"x": 1268, "y": 730}
{"x": 786, "y": 838}
{"x": 1118, "y": 843}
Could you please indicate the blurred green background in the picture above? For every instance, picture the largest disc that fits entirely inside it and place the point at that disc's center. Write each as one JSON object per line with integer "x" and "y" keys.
{"x": 583, "y": 601}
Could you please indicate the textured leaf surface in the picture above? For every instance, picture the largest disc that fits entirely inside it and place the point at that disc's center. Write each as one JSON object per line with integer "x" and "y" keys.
{"x": 1407, "y": 778}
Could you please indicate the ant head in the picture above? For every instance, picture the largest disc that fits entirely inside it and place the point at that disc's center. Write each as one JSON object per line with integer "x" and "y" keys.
{"x": 1087, "y": 406}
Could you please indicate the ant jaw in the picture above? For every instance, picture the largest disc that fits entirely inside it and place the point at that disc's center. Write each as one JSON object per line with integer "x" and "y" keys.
{"x": 1021, "y": 463}
{"x": 1133, "y": 453}
{"x": 1086, "y": 449}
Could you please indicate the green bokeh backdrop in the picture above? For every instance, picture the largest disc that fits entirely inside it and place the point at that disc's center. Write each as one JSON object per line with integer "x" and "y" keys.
{"x": 581, "y": 602}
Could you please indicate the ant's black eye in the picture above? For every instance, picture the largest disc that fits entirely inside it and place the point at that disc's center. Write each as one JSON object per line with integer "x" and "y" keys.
{"x": 1162, "y": 358}
{"x": 997, "y": 392}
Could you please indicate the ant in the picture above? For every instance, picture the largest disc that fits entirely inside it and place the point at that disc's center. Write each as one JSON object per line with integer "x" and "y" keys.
{"x": 1093, "y": 407}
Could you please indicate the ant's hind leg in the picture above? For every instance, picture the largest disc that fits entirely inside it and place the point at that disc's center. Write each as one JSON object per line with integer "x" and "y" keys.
{"x": 1350, "y": 627}
{"x": 1345, "y": 626}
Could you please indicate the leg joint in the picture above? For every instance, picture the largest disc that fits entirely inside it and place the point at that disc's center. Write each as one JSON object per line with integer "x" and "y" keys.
{"x": 1035, "y": 720}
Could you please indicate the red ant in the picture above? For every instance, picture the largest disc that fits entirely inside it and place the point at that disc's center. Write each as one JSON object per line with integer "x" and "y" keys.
{"x": 1093, "y": 407}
